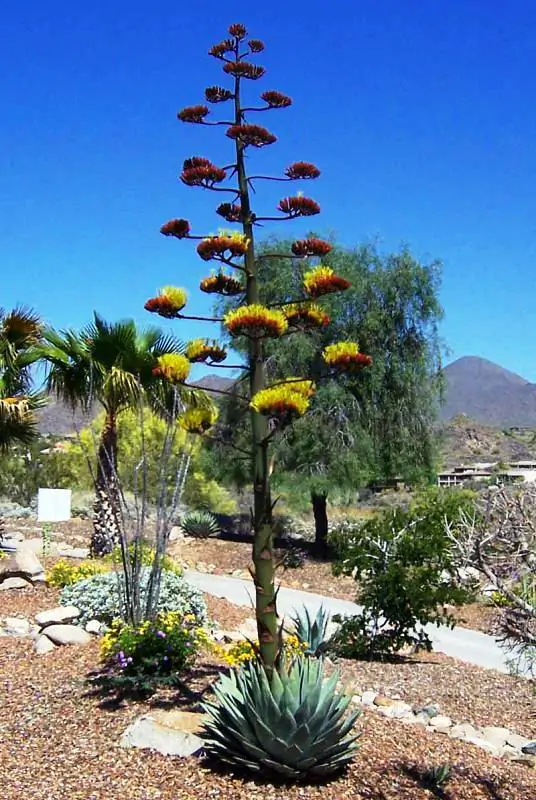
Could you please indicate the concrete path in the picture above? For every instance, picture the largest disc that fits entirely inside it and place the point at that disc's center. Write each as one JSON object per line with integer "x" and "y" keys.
{"x": 470, "y": 646}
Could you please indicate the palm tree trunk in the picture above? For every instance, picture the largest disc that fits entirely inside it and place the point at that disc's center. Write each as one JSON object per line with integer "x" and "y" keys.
{"x": 106, "y": 510}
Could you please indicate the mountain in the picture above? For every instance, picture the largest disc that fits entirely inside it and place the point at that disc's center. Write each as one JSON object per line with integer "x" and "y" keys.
{"x": 488, "y": 393}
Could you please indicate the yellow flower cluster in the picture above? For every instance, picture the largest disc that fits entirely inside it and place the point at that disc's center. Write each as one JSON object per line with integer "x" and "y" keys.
{"x": 323, "y": 280}
{"x": 345, "y": 355}
{"x": 291, "y": 398}
{"x": 202, "y": 350}
{"x": 169, "y": 301}
{"x": 255, "y": 320}
{"x": 306, "y": 315}
{"x": 65, "y": 573}
{"x": 236, "y": 236}
{"x": 174, "y": 367}
{"x": 244, "y": 651}
{"x": 198, "y": 420}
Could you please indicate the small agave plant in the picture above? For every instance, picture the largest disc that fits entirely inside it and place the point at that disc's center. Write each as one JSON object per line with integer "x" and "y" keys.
{"x": 293, "y": 723}
{"x": 200, "y": 524}
{"x": 312, "y": 631}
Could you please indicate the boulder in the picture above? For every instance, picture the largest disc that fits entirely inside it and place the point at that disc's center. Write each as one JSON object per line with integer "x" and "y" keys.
{"x": 367, "y": 698}
{"x": 397, "y": 710}
{"x": 67, "y": 634}
{"x": 498, "y": 737}
{"x": 22, "y": 564}
{"x": 57, "y": 616}
{"x": 463, "y": 731}
{"x": 176, "y": 534}
{"x": 441, "y": 723}
{"x": 43, "y": 645}
{"x": 168, "y": 732}
{"x": 94, "y": 626}
{"x": 66, "y": 551}
{"x": 15, "y": 583}
{"x": 15, "y": 626}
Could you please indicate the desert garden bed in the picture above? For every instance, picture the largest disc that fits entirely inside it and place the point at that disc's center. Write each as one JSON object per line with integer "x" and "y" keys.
{"x": 58, "y": 739}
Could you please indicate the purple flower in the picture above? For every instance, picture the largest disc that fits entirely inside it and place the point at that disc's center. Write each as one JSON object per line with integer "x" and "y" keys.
{"x": 161, "y": 634}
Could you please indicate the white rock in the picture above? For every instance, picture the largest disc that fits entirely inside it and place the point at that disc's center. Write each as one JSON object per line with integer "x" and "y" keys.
{"x": 397, "y": 710}
{"x": 94, "y": 626}
{"x": 368, "y": 698}
{"x": 176, "y": 534}
{"x": 479, "y": 741}
{"x": 73, "y": 552}
{"x": 498, "y": 737}
{"x": 440, "y": 722}
{"x": 463, "y": 731}
{"x": 517, "y": 741}
{"x": 43, "y": 645}
{"x": 67, "y": 634}
{"x": 57, "y": 616}
{"x": 23, "y": 563}
{"x": 15, "y": 626}
{"x": 170, "y": 733}
{"x": 15, "y": 583}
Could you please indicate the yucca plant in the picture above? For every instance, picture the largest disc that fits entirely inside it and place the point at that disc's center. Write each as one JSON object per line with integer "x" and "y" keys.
{"x": 293, "y": 723}
{"x": 312, "y": 631}
{"x": 200, "y": 524}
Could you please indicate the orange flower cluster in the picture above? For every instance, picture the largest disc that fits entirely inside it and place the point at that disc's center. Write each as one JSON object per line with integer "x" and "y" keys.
{"x": 217, "y": 94}
{"x": 193, "y": 114}
{"x": 220, "y": 247}
{"x": 221, "y": 284}
{"x": 199, "y": 350}
{"x": 299, "y": 206}
{"x": 255, "y": 321}
{"x": 310, "y": 247}
{"x": 306, "y": 315}
{"x": 232, "y": 212}
{"x": 323, "y": 280}
{"x": 199, "y": 171}
{"x": 238, "y": 30}
{"x": 276, "y": 99}
{"x": 243, "y": 69}
{"x": 173, "y": 367}
{"x": 180, "y": 228}
{"x": 346, "y": 356}
{"x": 168, "y": 303}
{"x": 254, "y": 135}
{"x": 302, "y": 170}
{"x": 256, "y": 46}
{"x": 219, "y": 50}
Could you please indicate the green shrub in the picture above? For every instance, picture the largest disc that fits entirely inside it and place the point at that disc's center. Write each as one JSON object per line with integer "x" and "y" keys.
{"x": 293, "y": 724}
{"x": 102, "y": 596}
{"x": 404, "y": 564}
{"x": 65, "y": 573}
{"x": 200, "y": 524}
{"x": 153, "y": 653}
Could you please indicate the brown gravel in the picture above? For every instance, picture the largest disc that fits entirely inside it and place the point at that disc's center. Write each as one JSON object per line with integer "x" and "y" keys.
{"x": 59, "y": 741}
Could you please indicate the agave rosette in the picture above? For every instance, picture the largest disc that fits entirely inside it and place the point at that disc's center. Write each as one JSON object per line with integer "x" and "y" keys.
{"x": 255, "y": 321}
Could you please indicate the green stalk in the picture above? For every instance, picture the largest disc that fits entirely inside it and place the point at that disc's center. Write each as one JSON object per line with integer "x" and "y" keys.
{"x": 263, "y": 544}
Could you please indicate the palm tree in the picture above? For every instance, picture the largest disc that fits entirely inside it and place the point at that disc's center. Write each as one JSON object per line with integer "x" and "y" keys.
{"x": 112, "y": 364}
{"x": 20, "y": 332}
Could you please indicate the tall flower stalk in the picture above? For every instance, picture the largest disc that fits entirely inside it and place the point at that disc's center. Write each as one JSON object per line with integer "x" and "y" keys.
{"x": 270, "y": 407}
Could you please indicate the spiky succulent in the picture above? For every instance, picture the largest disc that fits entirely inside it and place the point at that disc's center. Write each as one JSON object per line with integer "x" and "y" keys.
{"x": 200, "y": 524}
{"x": 294, "y": 723}
{"x": 310, "y": 630}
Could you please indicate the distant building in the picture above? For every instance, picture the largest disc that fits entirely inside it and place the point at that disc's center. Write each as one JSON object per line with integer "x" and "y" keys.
{"x": 512, "y": 472}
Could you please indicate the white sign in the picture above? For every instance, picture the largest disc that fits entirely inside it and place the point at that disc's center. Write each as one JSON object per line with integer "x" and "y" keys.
{"x": 54, "y": 505}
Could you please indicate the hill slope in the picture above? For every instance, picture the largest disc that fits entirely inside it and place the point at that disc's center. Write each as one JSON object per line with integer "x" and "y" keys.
{"x": 488, "y": 393}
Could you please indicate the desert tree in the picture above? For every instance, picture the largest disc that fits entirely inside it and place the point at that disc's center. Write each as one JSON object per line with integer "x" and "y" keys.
{"x": 272, "y": 406}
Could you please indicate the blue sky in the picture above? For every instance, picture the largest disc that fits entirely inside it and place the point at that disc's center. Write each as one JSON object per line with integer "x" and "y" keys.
{"x": 420, "y": 115}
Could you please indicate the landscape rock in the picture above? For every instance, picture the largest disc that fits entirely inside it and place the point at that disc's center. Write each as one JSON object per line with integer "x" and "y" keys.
{"x": 168, "y": 732}
{"x": 441, "y": 723}
{"x": 529, "y": 749}
{"x": 94, "y": 626}
{"x": 43, "y": 645}
{"x": 176, "y": 534}
{"x": 463, "y": 731}
{"x": 67, "y": 634}
{"x": 382, "y": 701}
{"x": 367, "y": 698}
{"x": 15, "y": 583}
{"x": 397, "y": 710}
{"x": 15, "y": 626}
{"x": 66, "y": 551}
{"x": 57, "y": 616}
{"x": 498, "y": 737}
{"x": 22, "y": 564}
{"x": 479, "y": 741}
{"x": 517, "y": 741}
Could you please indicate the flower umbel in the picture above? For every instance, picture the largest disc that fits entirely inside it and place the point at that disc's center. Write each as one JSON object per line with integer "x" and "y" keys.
{"x": 298, "y": 206}
{"x": 174, "y": 367}
{"x": 180, "y": 228}
{"x": 255, "y": 320}
{"x": 346, "y": 356}
{"x": 199, "y": 350}
{"x": 220, "y": 283}
{"x": 199, "y": 171}
{"x": 251, "y": 135}
{"x": 323, "y": 280}
{"x": 276, "y": 99}
{"x": 302, "y": 170}
{"x": 217, "y": 94}
{"x": 243, "y": 69}
{"x": 198, "y": 420}
{"x": 168, "y": 303}
{"x": 310, "y": 247}
{"x": 306, "y": 315}
{"x": 280, "y": 401}
{"x": 193, "y": 114}
{"x": 223, "y": 247}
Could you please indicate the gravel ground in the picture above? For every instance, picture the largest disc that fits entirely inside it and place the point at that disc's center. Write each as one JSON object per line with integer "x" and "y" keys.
{"x": 59, "y": 741}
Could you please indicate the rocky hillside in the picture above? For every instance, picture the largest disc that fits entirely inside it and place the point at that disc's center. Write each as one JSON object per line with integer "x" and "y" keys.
{"x": 489, "y": 394}
{"x": 464, "y": 441}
